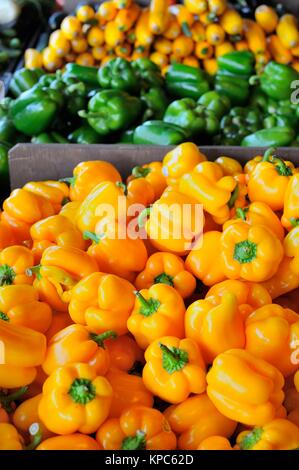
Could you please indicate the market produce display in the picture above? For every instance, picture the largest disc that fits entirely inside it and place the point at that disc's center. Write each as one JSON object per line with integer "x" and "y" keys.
{"x": 185, "y": 342}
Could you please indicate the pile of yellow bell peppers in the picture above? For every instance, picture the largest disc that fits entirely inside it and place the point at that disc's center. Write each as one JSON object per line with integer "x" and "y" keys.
{"x": 94, "y": 326}
{"x": 195, "y": 33}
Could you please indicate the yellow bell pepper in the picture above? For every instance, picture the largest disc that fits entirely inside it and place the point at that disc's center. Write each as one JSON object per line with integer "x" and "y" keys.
{"x": 291, "y": 249}
{"x": 279, "y": 434}
{"x": 181, "y": 160}
{"x": 291, "y": 203}
{"x": 284, "y": 280}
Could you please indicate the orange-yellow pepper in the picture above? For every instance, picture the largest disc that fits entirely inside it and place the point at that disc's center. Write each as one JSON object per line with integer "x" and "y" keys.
{"x": 75, "y": 399}
{"x": 55, "y": 192}
{"x": 10, "y": 439}
{"x": 87, "y": 175}
{"x": 60, "y": 320}
{"x": 203, "y": 259}
{"x": 216, "y": 327}
{"x": 215, "y": 443}
{"x": 249, "y": 295}
{"x": 207, "y": 184}
{"x": 181, "y": 160}
{"x": 166, "y": 268}
{"x": 74, "y": 441}
{"x": 24, "y": 350}
{"x": 197, "y": 419}
{"x": 291, "y": 249}
{"x": 158, "y": 311}
{"x": 268, "y": 182}
{"x": 279, "y": 434}
{"x": 283, "y": 281}
{"x": 124, "y": 353}
{"x": 70, "y": 210}
{"x": 76, "y": 344}
{"x": 19, "y": 305}
{"x": 14, "y": 260}
{"x": 59, "y": 271}
{"x": 290, "y": 214}
{"x": 296, "y": 381}
{"x": 174, "y": 368}
{"x": 152, "y": 173}
{"x": 175, "y": 222}
{"x": 272, "y": 334}
{"x": 55, "y": 230}
{"x": 259, "y": 213}
{"x": 128, "y": 390}
{"x": 138, "y": 428}
{"x": 116, "y": 252}
{"x": 230, "y": 166}
{"x": 102, "y": 302}
{"x": 245, "y": 388}
{"x": 8, "y": 236}
{"x": 252, "y": 253}
{"x": 26, "y": 414}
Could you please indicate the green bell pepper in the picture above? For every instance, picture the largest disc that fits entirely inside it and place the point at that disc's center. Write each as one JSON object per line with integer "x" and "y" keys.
{"x": 84, "y": 135}
{"x": 75, "y": 97}
{"x": 49, "y": 138}
{"x": 184, "y": 81}
{"x": 276, "y": 80}
{"x": 215, "y": 102}
{"x": 87, "y": 75}
{"x": 34, "y": 111}
{"x": 23, "y": 80}
{"x": 272, "y": 120}
{"x": 7, "y": 129}
{"x": 238, "y": 124}
{"x": 275, "y": 137}
{"x": 118, "y": 74}
{"x": 147, "y": 73}
{"x": 233, "y": 87}
{"x": 158, "y": 133}
{"x": 111, "y": 110}
{"x": 258, "y": 99}
{"x": 155, "y": 102}
{"x": 193, "y": 117}
{"x": 126, "y": 137}
{"x": 237, "y": 63}
{"x": 4, "y": 170}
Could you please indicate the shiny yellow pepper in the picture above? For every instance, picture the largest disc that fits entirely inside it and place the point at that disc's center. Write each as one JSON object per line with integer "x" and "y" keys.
{"x": 279, "y": 434}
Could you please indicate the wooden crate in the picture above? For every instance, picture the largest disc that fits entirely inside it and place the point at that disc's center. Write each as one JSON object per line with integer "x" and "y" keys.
{"x": 29, "y": 162}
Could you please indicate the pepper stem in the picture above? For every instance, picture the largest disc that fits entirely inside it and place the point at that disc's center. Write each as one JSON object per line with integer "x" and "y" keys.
{"x": 164, "y": 278}
{"x": 139, "y": 172}
{"x": 245, "y": 251}
{"x": 4, "y": 317}
{"x": 92, "y": 236}
{"x": 136, "y": 442}
{"x": 254, "y": 80}
{"x": 36, "y": 436}
{"x": 71, "y": 180}
{"x": 99, "y": 339}
{"x": 6, "y": 400}
{"x": 143, "y": 215}
{"x": 173, "y": 359}
{"x": 186, "y": 29}
{"x": 252, "y": 438}
{"x": 34, "y": 270}
{"x": 282, "y": 168}
{"x": 82, "y": 391}
{"x": 269, "y": 153}
{"x": 122, "y": 186}
{"x": 234, "y": 197}
{"x": 294, "y": 222}
{"x": 148, "y": 306}
{"x": 241, "y": 213}
{"x": 7, "y": 275}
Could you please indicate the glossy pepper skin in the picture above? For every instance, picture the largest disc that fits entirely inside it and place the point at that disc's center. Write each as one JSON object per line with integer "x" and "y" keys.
{"x": 74, "y": 441}
{"x": 87, "y": 175}
{"x": 152, "y": 173}
{"x": 157, "y": 132}
{"x": 192, "y": 116}
{"x": 111, "y": 110}
{"x": 290, "y": 214}
{"x": 182, "y": 159}
{"x": 174, "y": 368}
{"x": 279, "y": 434}
{"x": 10, "y": 438}
{"x": 215, "y": 102}
{"x": 174, "y": 234}
{"x": 166, "y": 268}
{"x": 56, "y": 192}
{"x": 158, "y": 311}
{"x": 19, "y": 305}
{"x": 291, "y": 249}
{"x": 210, "y": 188}
{"x": 128, "y": 390}
{"x": 35, "y": 109}
{"x": 25, "y": 349}
{"x": 155, "y": 102}
{"x": 271, "y": 331}
{"x": 196, "y": 419}
{"x": 237, "y": 124}
{"x": 87, "y": 75}
{"x": 14, "y": 260}
{"x": 276, "y": 80}
{"x": 23, "y": 80}
{"x": 251, "y": 253}
{"x": 268, "y": 183}
{"x": 184, "y": 81}
{"x": 138, "y": 428}
{"x": 108, "y": 244}
{"x": 124, "y": 353}
{"x": 274, "y": 137}
{"x": 118, "y": 74}
{"x": 75, "y": 399}
{"x": 245, "y": 388}
{"x": 216, "y": 327}
{"x": 76, "y": 344}
{"x": 237, "y": 62}
{"x": 200, "y": 262}
{"x": 26, "y": 414}
{"x": 84, "y": 134}
{"x": 284, "y": 280}
{"x": 216, "y": 443}
{"x": 102, "y": 302}
{"x": 147, "y": 73}
{"x": 55, "y": 230}
{"x": 234, "y": 87}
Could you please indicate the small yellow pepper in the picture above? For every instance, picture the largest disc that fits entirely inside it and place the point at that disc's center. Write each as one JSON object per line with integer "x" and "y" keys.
{"x": 279, "y": 434}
